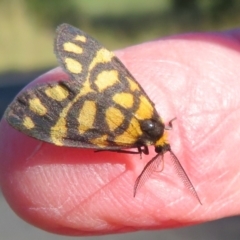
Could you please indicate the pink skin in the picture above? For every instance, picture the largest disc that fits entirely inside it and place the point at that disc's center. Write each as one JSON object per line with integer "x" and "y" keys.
{"x": 193, "y": 77}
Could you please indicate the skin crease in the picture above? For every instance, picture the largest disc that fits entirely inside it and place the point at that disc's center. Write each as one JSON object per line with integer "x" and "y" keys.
{"x": 194, "y": 77}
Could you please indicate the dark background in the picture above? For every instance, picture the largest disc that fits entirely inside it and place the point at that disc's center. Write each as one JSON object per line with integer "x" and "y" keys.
{"x": 26, "y": 35}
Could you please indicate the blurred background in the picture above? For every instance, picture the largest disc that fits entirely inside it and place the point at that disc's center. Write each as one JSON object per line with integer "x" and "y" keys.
{"x": 27, "y": 29}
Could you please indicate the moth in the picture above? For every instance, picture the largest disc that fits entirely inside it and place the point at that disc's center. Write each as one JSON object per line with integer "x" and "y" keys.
{"x": 101, "y": 107}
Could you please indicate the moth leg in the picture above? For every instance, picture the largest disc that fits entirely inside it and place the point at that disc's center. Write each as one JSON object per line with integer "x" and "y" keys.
{"x": 118, "y": 151}
{"x": 140, "y": 150}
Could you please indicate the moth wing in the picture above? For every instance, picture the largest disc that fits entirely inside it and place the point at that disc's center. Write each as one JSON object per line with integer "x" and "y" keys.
{"x": 101, "y": 106}
{"x": 36, "y": 110}
{"x": 58, "y": 114}
{"x": 99, "y": 70}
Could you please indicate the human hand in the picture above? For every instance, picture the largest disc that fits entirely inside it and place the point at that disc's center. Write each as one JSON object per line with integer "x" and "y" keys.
{"x": 194, "y": 77}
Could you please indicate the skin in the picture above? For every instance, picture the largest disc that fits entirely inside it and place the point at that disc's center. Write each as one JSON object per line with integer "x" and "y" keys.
{"x": 194, "y": 77}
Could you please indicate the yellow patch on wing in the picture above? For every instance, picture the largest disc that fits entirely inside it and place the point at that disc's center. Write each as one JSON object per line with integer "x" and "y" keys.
{"x": 57, "y": 93}
{"x": 102, "y": 56}
{"x": 114, "y": 118}
{"x": 87, "y": 116}
{"x": 133, "y": 85}
{"x": 130, "y": 135}
{"x": 106, "y": 79}
{"x": 59, "y": 131}
{"x": 125, "y": 100}
{"x": 145, "y": 110}
{"x": 37, "y": 107}
{"x": 28, "y": 123}
{"x": 80, "y": 38}
{"x": 73, "y": 65}
{"x": 71, "y": 47}
{"x": 100, "y": 141}
{"x": 86, "y": 88}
